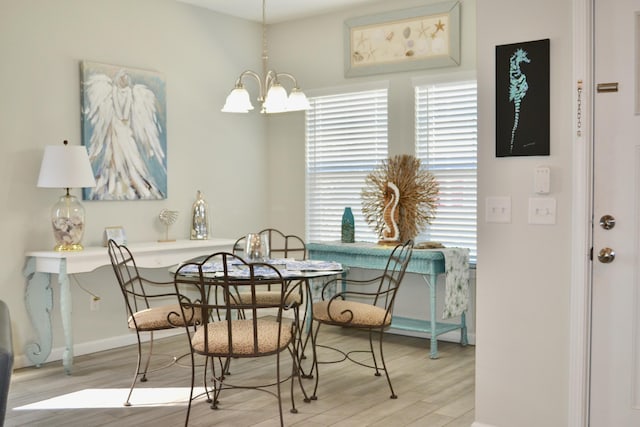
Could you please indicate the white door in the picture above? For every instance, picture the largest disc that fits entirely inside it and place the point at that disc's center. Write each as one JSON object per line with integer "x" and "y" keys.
{"x": 615, "y": 351}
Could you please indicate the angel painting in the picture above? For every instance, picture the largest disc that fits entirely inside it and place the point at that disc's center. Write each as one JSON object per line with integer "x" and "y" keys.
{"x": 123, "y": 118}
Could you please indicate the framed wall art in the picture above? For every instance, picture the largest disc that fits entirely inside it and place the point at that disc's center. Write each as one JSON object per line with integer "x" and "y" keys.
{"x": 116, "y": 233}
{"x": 522, "y": 99}
{"x": 124, "y": 130}
{"x": 403, "y": 40}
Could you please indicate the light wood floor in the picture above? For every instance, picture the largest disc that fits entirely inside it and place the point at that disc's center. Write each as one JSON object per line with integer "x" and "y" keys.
{"x": 431, "y": 393}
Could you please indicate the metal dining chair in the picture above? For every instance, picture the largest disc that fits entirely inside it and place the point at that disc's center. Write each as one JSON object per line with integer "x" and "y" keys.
{"x": 225, "y": 336}
{"x": 281, "y": 246}
{"x": 365, "y": 305}
{"x": 149, "y": 306}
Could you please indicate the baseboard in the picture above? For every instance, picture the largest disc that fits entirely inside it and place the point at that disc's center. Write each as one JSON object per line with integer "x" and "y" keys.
{"x": 453, "y": 336}
{"x": 477, "y": 424}
{"x": 21, "y": 361}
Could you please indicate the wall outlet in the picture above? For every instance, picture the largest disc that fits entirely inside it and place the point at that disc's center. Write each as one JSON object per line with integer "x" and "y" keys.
{"x": 94, "y": 303}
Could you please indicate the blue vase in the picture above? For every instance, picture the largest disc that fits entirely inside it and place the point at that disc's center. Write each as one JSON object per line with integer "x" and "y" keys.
{"x": 348, "y": 226}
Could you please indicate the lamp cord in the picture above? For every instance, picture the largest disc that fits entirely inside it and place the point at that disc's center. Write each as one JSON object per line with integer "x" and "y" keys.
{"x": 75, "y": 279}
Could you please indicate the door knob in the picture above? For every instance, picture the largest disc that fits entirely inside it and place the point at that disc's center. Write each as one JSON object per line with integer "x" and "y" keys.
{"x": 606, "y": 255}
{"x": 607, "y": 222}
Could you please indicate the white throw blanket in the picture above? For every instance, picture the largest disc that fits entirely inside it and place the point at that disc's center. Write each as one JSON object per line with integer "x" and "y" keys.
{"x": 456, "y": 300}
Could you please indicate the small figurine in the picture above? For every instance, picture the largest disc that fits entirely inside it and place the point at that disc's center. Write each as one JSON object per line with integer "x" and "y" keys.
{"x": 167, "y": 218}
{"x": 390, "y": 214}
{"x": 200, "y": 219}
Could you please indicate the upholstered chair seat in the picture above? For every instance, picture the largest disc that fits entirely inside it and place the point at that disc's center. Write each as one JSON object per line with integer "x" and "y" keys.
{"x": 269, "y": 297}
{"x": 242, "y": 338}
{"x": 352, "y": 313}
{"x": 161, "y": 317}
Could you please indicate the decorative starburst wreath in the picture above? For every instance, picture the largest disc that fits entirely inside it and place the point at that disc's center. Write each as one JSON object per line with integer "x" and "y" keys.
{"x": 418, "y": 195}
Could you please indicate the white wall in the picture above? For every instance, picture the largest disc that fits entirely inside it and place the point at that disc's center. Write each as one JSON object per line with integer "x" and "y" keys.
{"x": 200, "y": 54}
{"x": 523, "y": 275}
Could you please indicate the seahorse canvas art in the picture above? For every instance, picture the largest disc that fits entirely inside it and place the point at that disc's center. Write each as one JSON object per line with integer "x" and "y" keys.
{"x": 522, "y": 99}
{"x": 517, "y": 88}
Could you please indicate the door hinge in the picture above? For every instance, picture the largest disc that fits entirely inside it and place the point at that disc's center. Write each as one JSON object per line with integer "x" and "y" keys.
{"x": 591, "y": 254}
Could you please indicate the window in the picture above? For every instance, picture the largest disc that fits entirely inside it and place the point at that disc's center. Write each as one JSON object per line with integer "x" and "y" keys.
{"x": 446, "y": 144}
{"x": 346, "y": 139}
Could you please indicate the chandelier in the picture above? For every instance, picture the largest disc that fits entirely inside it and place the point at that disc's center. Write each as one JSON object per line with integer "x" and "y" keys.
{"x": 272, "y": 94}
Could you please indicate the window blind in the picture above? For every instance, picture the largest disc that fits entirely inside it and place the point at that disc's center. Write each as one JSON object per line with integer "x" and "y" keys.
{"x": 446, "y": 144}
{"x": 346, "y": 138}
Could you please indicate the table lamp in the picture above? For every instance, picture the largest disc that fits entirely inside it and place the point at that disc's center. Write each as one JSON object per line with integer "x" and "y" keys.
{"x": 66, "y": 166}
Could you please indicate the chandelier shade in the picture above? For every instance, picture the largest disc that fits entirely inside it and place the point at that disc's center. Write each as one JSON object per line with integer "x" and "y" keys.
{"x": 298, "y": 100}
{"x": 276, "y": 100}
{"x": 272, "y": 93}
{"x": 238, "y": 101}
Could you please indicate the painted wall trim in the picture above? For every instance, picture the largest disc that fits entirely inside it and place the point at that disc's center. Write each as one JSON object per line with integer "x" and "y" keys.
{"x": 580, "y": 313}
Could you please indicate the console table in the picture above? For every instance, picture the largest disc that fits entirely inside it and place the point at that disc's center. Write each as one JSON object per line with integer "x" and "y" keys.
{"x": 427, "y": 262}
{"x": 40, "y": 265}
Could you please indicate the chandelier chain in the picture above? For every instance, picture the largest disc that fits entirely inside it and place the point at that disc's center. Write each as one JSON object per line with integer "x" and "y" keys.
{"x": 272, "y": 94}
{"x": 265, "y": 55}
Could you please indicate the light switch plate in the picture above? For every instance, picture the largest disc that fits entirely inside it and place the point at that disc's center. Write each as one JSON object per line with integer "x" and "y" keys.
{"x": 498, "y": 209}
{"x": 542, "y": 210}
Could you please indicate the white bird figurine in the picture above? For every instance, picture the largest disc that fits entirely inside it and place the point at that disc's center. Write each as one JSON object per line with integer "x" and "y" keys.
{"x": 167, "y": 218}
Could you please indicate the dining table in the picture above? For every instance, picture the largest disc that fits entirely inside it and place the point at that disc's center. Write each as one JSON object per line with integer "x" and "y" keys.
{"x": 290, "y": 269}
{"x": 310, "y": 273}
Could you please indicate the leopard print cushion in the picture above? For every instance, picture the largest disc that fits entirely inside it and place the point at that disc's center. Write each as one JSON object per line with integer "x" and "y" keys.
{"x": 269, "y": 297}
{"x": 156, "y": 318}
{"x": 365, "y": 315}
{"x": 242, "y": 331}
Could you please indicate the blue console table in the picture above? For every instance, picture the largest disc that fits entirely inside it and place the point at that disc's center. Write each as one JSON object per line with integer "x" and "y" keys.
{"x": 427, "y": 262}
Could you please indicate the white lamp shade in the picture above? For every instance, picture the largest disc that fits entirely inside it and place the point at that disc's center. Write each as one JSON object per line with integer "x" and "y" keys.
{"x": 238, "y": 101}
{"x": 297, "y": 101}
{"x": 276, "y": 100}
{"x": 66, "y": 166}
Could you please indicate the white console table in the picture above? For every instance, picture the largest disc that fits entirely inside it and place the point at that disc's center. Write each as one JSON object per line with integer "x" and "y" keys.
{"x": 40, "y": 265}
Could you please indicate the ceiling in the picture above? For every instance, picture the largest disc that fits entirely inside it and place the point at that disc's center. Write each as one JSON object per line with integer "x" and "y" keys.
{"x": 277, "y": 10}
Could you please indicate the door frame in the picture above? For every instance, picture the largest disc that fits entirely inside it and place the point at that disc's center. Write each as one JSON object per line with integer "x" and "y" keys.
{"x": 582, "y": 191}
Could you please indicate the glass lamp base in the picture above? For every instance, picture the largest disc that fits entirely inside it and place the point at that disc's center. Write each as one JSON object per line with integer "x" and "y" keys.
{"x": 67, "y": 219}
{"x": 66, "y": 247}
